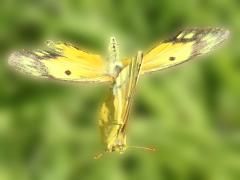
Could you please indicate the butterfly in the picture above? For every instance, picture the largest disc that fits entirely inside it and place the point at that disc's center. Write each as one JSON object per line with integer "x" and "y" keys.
{"x": 65, "y": 62}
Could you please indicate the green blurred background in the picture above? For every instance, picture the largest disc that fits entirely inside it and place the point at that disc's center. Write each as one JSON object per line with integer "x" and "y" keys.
{"x": 189, "y": 113}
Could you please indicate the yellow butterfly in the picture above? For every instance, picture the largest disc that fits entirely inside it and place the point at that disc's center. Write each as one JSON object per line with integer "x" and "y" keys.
{"x": 66, "y": 62}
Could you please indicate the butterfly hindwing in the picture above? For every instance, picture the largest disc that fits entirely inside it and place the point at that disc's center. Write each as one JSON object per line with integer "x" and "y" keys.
{"x": 182, "y": 47}
{"x": 61, "y": 61}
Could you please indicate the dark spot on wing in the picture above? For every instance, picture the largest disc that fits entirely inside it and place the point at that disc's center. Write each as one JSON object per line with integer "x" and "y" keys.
{"x": 198, "y": 34}
{"x": 51, "y": 54}
{"x": 68, "y": 72}
{"x": 172, "y": 58}
{"x": 42, "y": 54}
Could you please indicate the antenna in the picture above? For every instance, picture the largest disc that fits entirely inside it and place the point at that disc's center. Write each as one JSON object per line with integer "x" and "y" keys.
{"x": 151, "y": 149}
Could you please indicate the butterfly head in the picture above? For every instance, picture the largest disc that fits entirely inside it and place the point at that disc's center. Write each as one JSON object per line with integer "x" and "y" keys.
{"x": 118, "y": 146}
{"x": 116, "y": 142}
{"x": 122, "y": 148}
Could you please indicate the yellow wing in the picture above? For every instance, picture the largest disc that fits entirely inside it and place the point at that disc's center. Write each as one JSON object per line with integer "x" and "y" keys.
{"x": 61, "y": 61}
{"x": 125, "y": 87}
{"x": 181, "y": 48}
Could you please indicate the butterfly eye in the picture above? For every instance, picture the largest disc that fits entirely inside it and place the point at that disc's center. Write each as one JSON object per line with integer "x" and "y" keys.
{"x": 68, "y": 72}
{"x": 172, "y": 58}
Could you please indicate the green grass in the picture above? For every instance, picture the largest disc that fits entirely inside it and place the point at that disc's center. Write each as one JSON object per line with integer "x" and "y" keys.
{"x": 189, "y": 113}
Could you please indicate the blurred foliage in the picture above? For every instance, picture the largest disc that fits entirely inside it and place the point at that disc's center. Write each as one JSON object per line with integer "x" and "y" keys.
{"x": 189, "y": 113}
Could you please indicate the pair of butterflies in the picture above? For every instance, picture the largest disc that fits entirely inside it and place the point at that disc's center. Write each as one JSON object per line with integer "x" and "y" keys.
{"x": 65, "y": 62}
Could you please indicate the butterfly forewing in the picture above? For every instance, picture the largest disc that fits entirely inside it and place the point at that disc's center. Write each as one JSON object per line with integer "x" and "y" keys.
{"x": 61, "y": 61}
{"x": 181, "y": 48}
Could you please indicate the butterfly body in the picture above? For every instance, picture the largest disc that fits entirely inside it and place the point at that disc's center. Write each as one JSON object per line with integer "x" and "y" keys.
{"x": 115, "y": 110}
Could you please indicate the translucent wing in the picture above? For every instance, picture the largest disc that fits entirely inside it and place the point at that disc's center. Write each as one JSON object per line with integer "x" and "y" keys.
{"x": 61, "y": 61}
{"x": 181, "y": 48}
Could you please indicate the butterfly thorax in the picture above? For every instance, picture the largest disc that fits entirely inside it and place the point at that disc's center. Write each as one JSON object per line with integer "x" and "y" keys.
{"x": 115, "y": 64}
